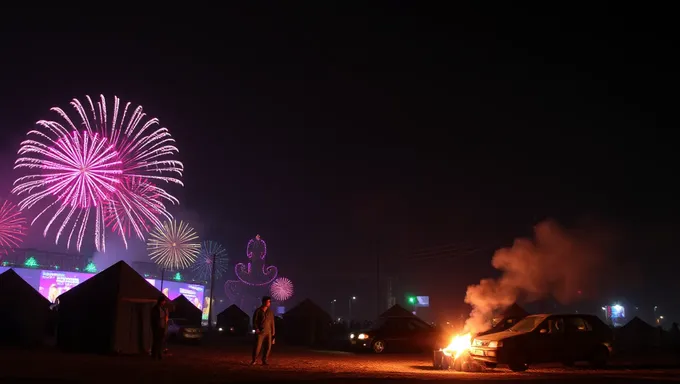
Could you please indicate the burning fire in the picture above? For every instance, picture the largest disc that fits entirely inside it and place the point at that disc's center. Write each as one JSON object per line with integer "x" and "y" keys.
{"x": 458, "y": 345}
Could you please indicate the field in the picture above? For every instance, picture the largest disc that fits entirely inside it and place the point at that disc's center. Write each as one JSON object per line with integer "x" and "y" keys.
{"x": 219, "y": 363}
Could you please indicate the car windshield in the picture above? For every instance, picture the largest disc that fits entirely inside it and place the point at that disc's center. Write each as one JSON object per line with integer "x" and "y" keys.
{"x": 528, "y": 324}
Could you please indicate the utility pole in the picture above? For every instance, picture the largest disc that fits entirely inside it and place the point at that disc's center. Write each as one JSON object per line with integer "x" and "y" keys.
{"x": 377, "y": 277}
{"x": 212, "y": 285}
{"x": 389, "y": 293}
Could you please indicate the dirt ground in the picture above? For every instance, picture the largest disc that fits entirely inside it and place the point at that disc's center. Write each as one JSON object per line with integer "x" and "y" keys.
{"x": 225, "y": 364}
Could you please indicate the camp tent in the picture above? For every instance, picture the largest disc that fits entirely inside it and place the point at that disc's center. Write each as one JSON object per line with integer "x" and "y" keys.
{"x": 307, "y": 324}
{"x": 514, "y": 311}
{"x": 637, "y": 335}
{"x": 185, "y": 309}
{"x": 397, "y": 311}
{"x": 23, "y": 312}
{"x": 110, "y": 312}
{"x": 233, "y": 321}
{"x": 506, "y": 319}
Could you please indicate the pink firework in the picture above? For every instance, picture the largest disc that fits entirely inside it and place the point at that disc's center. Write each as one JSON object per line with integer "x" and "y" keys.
{"x": 127, "y": 199}
{"x": 12, "y": 227}
{"x": 137, "y": 208}
{"x": 281, "y": 289}
{"x": 76, "y": 171}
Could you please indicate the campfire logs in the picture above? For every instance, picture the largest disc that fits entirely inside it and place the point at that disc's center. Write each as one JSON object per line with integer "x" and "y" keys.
{"x": 464, "y": 362}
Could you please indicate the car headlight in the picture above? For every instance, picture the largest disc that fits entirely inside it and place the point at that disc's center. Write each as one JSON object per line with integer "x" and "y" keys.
{"x": 363, "y": 336}
{"x": 351, "y": 335}
{"x": 476, "y": 343}
{"x": 495, "y": 344}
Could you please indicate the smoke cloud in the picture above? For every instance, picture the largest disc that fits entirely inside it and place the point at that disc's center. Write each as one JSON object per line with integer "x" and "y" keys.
{"x": 557, "y": 262}
{"x": 116, "y": 251}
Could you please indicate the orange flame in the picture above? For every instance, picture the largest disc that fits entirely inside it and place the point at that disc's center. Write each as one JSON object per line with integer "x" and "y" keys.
{"x": 458, "y": 345}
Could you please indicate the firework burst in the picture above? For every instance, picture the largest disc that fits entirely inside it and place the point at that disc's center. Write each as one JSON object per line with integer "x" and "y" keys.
{"x": 173, "y": 246}
{"x": 281, "y": 289}
{"x": 12, "y": 227}
{"x": 204, "y": 263}
{"x": 138, "y": 208}
{"x": 105, "y": 166}
{"x": 78, "y": 170}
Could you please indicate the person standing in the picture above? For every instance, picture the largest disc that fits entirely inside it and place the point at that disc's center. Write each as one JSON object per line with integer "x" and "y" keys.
{"x": 159, "y": 325}
{"x": 263, "y": 324}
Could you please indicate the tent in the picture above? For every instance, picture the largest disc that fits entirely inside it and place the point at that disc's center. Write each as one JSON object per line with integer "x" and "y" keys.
{"x": 233, "y": 321}
{"x": 637, "y": 335}
{"x": 24, "y": 312}
{"x": 185, "y": 309}
{"x": 307, "y": 324}
{"x": 514, "y": 311}
{"x": 507, "y": 318}
{"x": 397, "y": 311}
{"x": 110, "y": 312}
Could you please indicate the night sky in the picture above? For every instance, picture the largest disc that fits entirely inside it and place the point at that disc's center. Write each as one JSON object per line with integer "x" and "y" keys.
{"x": 340, "y": 133}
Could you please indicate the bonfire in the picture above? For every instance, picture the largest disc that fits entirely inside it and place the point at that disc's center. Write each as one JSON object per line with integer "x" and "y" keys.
{"x": 456, "y": 355}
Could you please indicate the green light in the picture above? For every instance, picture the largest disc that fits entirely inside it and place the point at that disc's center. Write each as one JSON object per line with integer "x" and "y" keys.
{"x": 177, "y": 277}
{"x": 91, "y": 268}
{"x": 56, "y": 267}
{"x": 5, "y": 263}
{"x": 31, "y": 262}
{"x": 412, "y": 300}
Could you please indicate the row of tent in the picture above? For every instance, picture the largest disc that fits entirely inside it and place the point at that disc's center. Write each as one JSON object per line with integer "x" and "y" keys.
{"x": 108, "y": 312}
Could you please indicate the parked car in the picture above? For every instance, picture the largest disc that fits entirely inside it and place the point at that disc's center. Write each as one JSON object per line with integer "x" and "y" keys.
{"x": 546, "y": 339}
{"x": 396, "y": 333}
{"x": 183, "y": 330}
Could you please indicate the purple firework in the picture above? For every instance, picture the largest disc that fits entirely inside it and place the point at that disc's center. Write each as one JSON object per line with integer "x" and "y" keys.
{"x": 281, "y": 289}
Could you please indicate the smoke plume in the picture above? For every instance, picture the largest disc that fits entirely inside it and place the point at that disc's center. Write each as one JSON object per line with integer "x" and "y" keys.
{"x": 558, "y": 262}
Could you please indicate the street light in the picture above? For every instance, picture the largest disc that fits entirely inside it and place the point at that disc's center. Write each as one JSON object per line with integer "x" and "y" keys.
{"x": 349, "y": 318}
{"x": 333, "y": 308}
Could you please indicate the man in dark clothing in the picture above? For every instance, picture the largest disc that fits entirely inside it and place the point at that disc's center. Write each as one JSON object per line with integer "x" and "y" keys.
{"x": 159, "y": 324}
{"x": 263, "y": 323}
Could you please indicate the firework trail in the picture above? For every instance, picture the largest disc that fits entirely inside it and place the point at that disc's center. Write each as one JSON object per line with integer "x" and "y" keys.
{"x": 281, "y": 289}
{"x": 204, "y": 263}
{"x": 137, "y": 207}
{"x": 12, "y": 227}
{"x": 99, "y": 168}
{"x": 173, "y": 246}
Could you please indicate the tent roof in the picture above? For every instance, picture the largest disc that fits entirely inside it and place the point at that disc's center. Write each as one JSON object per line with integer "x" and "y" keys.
{"x": 307, "y": 308}
{"x": 13, "y": 287}
{"x": 182, "y": 302}
{"x": 117, "y": 282}
{"x": 233, "y": 311}
{"x": 397, "y": 311}
{"x": 183, "y": 308}
{"x": 637, "y": 324}
{"x": 514, "y": 311}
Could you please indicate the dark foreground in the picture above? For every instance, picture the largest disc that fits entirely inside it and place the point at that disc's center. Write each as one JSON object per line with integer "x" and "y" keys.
{"x": 219, "y": 364}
